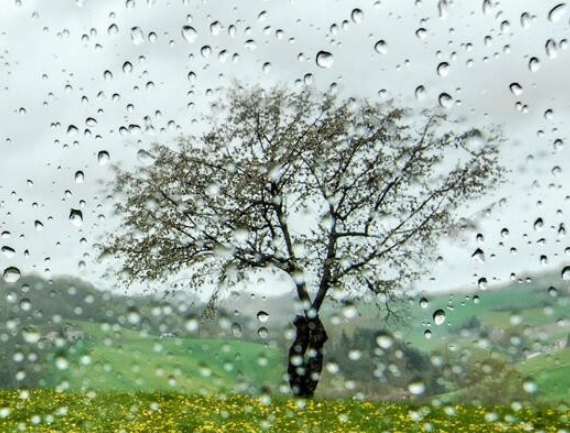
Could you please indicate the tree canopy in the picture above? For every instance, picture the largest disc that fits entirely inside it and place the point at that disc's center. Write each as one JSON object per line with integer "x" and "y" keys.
{"x": 338, "y": 194}
{"x": 341, "y": 195}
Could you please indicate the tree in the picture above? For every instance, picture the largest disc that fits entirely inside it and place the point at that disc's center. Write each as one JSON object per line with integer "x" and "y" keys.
{"x": 479, "y": 384}
{"x": 343, "y": 196}
{"x": 385, "y": 364}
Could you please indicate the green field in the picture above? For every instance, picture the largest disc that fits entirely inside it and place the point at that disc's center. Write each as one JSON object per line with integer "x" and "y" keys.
{"x": 123, "y": 359}
{"x": 43, "y": 411}
{"x": 115, "y": 353}
{"x": 551, "y": 373}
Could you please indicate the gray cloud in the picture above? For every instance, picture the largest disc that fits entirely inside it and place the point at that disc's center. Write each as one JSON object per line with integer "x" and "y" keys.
{"x": 485, "y": 52}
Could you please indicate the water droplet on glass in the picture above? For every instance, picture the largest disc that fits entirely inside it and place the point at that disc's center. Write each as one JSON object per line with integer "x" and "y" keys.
{"x": 236, "y": 330}
{"x": 476, "y": 140}
{"x": 262, "y": 316}
{"x": 191, "y": 324}
{"x": 525, "y": 20}
{"x": 263, "y": 332}
{"x": 79, "y": 177}
{"x": 349, "y": 311}
{"x": 384, "y": 340}
{"x": 443, "y": 69}
{"x": 354, "y": 354}
{"x": 189, "y": 34}
{"x": 144, "y": 157}
{"x": 127, "y": 67}
{"x": 61, "y": 363}
{"x": 443, "y": 9}
{"x": 534, "y": 64}
{"x": 11, "y": 274}
{"x": 424, "y": 303}
{"x": 557, "y": 12}
{"x": 478, "y": 255}
{"x": 420, "y": 93}
{"x": 482, "y": 283}
{"x": 381, "y": 47}
{"x": 72, "y": 130}
{"x": 551, "y": 49}
{"x": 31, "y": 335}
{"x": 566, "y": 273}
{"x": 428, "y": 334}
{"x": 8, "y": 251}
{"x": 103, "y": 157}
{"x": 538, "y": 224}
{"x": 216, "y": 28}
{"x": 530, "y": 386}
{"x": 357, "y": 15}
{"x": 113, "y": 30}
{"x": 25, "y": 304}
{"x": 133, "y": 316}
{"x": 445, "y": 100}
{"x": 137, "y": 35}
{"x": 324, "y": 59}
{"x": 206, "y": 51}
{"x": 417, "y": 387}
{"x": 516, "y": 89}
{"x": 421, "y": 33}
{"x": 76, "y": 217}
{"x": 332, "y": 367}
{"x": 439, "y": 317}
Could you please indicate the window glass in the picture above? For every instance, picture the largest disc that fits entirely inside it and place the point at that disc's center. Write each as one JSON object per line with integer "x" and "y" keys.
{"x": 284, "y": 216}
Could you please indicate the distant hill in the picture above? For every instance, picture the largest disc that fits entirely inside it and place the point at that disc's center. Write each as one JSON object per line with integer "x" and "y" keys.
{"x": 73, "y": 335}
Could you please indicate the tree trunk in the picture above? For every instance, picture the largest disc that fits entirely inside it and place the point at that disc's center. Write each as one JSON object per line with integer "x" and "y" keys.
{"x": 306, "y": 356}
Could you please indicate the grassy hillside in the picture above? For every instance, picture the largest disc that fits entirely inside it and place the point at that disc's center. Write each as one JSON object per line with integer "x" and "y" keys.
{"x": 526, "y": 303}
{"x": 114, "y": 358}
{"x": 551, "y": 372}
{"x": 141, "y": 344}
{"x": 80, "y": 338}
{"x": 527, "y": 318}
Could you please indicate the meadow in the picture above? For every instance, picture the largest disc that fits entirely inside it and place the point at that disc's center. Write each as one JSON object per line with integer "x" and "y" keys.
{"x": 129, "y": 377}
{"x": 44, "y": 411}
{"x": 121, "y": 359}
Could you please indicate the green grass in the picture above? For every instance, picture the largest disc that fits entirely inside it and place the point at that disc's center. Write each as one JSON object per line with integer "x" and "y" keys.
{"x": 121, "y": 359}
{"x": 124, "y": 359}
{"x": 551, "y": 372}
{"x": 44, "y": 411}
{"x": 528, "y": 317}
{"x": 494, "y": 308}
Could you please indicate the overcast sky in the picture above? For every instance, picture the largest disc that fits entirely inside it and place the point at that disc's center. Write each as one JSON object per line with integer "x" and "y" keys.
{"x": 66, "y": 96}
